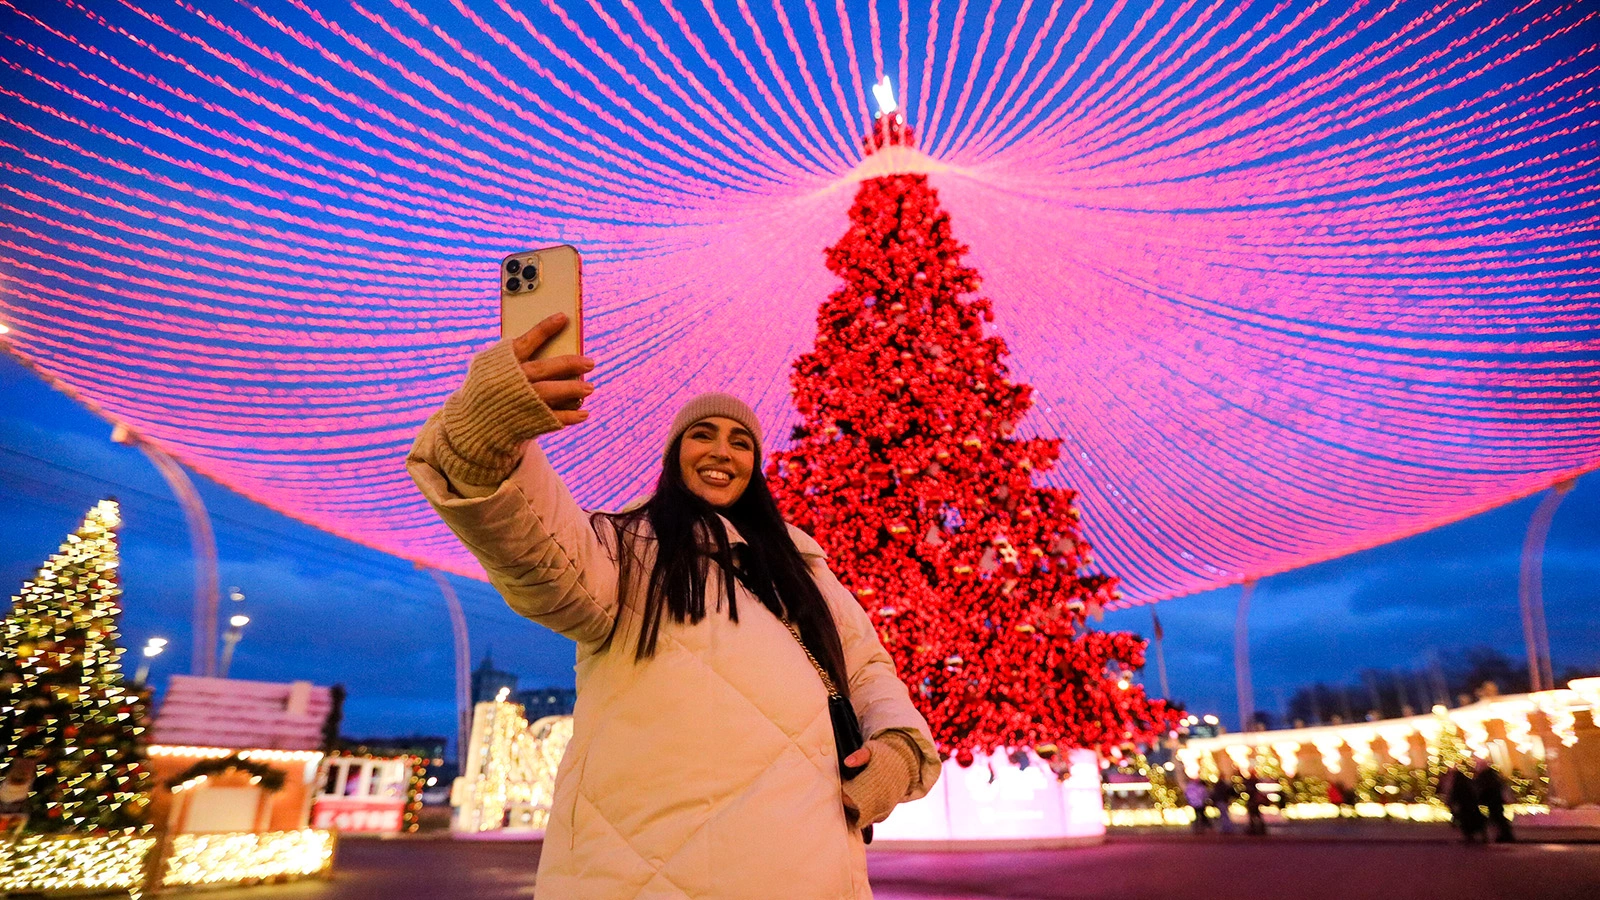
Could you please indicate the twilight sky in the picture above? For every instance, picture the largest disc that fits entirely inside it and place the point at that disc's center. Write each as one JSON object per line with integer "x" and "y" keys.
{"x": 330, "y": 611}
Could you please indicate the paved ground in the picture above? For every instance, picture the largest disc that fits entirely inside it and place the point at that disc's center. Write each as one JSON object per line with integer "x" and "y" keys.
{"x": 1335, "y": 865}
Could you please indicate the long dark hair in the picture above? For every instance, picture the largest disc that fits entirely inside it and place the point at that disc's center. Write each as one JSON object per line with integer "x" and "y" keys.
{"x": 689, "y": 540}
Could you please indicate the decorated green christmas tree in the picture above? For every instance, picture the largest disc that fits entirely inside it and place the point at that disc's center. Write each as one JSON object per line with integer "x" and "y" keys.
{"x": 69, "y": 722}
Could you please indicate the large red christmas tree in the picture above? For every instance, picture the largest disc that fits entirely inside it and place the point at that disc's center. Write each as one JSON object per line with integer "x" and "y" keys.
{"x": 907, "y": 469}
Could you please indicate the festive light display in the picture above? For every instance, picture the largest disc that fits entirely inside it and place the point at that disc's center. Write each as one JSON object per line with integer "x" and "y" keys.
{"x": 411, "y": 821}
{"x": 906, "y": 468}
{"x": 1008, "y": 797}
{"x": 1412, "y": 741}
{"x": 122, "y": 860}
{"x": 511, "y": 769}
{"x": 1392, "y": 767}
{"x": 309, "y": 757}
{"x": 238, "y": 857}
{"x": 58, "y": 863}
{"x": 258, "y": 773}
{"x": 68, "y": 720}
{"x": 370, "y": 792}
{"x": 1288, "y": 279}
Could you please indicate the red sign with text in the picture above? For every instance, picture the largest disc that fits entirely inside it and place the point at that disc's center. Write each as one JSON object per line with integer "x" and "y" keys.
{"x": 350, "y": 814}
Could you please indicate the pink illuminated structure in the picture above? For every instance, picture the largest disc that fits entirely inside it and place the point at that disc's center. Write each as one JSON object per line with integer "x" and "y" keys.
{"x": 997, "y": 803}
{"x": 1290, "y": 279}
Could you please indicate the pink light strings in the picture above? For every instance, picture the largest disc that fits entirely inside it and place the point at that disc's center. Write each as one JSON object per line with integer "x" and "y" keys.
{"x": 1290, "y": 280}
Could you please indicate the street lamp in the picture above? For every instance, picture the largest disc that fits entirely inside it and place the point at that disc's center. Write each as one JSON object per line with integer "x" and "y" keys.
{"x": 230, "y": 640}
{"x": 152, "y": 649}
{"x": 235, "y": 632}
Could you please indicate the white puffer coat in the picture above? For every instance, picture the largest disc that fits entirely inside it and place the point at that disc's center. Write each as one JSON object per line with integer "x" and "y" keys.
{"x": 708, "y": 770}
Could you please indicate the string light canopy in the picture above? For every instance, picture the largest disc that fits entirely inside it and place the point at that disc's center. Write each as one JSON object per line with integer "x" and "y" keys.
{"x": 1289, "y": 279}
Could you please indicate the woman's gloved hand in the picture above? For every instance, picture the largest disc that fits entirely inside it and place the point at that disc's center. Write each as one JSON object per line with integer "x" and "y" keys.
{"x": 509, "y": 398}
{"x": 891, "y": 765}
{"x": 558, "y": 380}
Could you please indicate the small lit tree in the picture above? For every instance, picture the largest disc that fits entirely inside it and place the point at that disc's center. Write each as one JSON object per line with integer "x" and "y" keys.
{"x": 68, "y": 715}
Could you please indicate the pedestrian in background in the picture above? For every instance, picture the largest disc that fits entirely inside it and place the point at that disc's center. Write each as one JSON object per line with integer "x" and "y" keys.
{"x": 1252, "y": 806}
{"x": 1222, "y": 795}
{"x": 1197, "y": 794}
{"x": 1463, "y": 803}
{"x": 1491, "y": 791}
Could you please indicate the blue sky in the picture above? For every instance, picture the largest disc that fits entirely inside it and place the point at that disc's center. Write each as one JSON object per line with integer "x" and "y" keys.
{"x": 327, "y": 610}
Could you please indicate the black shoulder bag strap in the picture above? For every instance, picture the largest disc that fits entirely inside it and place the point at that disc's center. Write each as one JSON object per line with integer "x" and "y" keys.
{"x": 846, "y": 727}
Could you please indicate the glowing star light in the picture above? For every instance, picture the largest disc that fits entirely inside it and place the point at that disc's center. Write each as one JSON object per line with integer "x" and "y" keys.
{"x": 883, "y": 92}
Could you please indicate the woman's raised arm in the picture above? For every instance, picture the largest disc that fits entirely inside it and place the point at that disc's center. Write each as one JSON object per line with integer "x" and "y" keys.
{"x": 475, "y": 462}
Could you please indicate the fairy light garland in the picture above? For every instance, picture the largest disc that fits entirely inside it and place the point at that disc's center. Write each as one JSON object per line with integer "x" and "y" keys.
{"x": 301, "y": 756}
{"x": 411, "y": 820}
{"x": 232, "y": 858}
{"x": 121, "y": 861}
{"x": 47, "y": 863}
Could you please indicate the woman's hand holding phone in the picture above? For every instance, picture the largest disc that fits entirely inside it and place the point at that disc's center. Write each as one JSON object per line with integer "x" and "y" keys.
{"x": 861, "y": 757}
{"x": 557, "y": 380}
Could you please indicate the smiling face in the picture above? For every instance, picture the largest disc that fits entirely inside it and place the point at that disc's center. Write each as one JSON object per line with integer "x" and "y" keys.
{"x": 716, "y": 458}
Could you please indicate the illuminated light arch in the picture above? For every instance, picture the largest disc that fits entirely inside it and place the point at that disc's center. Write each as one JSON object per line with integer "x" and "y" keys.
{"x": 1290, "y": 281}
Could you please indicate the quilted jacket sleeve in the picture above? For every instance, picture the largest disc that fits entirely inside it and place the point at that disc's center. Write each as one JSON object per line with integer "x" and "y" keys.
{"x": 880, "y": 698}
{"x": 476, "y": 463}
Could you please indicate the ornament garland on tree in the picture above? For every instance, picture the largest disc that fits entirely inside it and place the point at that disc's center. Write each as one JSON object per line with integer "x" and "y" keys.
{"x": 907, "y": 468}
{"x": 67, "y": 715}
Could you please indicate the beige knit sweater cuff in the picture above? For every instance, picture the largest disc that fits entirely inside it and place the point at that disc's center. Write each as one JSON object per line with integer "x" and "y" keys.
{"x": 488, "y": 419}
{"x": 886, "y": 780}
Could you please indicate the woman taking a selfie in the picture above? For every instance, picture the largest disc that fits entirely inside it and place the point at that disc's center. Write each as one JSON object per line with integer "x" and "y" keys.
{"x": 710, "y": 636}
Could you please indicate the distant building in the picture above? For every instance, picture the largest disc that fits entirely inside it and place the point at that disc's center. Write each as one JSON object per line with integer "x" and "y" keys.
{"x": 429, "y": 748}
{"x": 487, "y": 681}
{"x": 547, "y": 701}
{"x": 214, "y": 742}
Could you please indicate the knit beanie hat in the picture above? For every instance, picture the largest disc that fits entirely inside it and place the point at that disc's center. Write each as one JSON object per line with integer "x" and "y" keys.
{"x": 704, "y": 407}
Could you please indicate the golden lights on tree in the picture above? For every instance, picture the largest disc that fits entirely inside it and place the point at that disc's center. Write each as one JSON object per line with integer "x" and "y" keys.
{"x": 71, "y": 728}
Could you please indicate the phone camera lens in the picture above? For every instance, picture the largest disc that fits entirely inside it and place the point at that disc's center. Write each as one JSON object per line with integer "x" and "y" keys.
{"x": 513, "y": 283}
{"x": 513, "y": 266}
{"x": 530, "y": 271}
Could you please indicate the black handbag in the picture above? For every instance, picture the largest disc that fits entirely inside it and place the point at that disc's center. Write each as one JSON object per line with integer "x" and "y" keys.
{"x": 846, "y": 727}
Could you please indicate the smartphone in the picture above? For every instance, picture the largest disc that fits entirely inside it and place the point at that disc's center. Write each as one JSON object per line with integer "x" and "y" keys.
{"x": 535, "y": 284}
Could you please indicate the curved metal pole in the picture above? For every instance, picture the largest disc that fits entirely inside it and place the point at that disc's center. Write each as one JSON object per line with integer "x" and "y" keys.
{"x": 1535, "y": 633}
{"x": 203, "y": 658}
{"x": 1241, "y": 657}
{"x": 1161, "y": 656}
{"x": 458, "y": 625}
